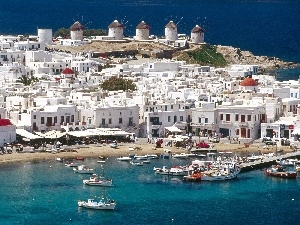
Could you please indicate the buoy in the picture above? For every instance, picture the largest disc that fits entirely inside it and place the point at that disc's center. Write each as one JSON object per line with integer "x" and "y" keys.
{"x": 292, "y": 199}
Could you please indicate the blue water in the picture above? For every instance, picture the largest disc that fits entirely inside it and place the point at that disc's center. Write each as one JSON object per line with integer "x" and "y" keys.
{"x": 265, "y": 27}
{"x": 35, "y": 193}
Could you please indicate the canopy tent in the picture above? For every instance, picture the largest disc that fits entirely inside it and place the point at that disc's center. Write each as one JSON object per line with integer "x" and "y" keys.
{"x": 81, "y": 133}
{"x": 173, "y": 129}
{"x": 296, "y": 131}
{"x": 53, "y": 134}
{"x": 26, "y": 134}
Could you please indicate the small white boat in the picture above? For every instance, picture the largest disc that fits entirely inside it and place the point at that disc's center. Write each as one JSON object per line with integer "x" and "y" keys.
{"x": 96, "y": 180}
{"x": 124, "y": 158}
{"x": 174, "y": 171}
{"x": 181, "y": 156}
{"x": 136, "y": 163}
{"x": 71, "y": 164}
{"x": 83, "y": 169}
{"x": 59, "y": 160}
{"x": 100, "y": 161}
{"x": 105, "y": 203}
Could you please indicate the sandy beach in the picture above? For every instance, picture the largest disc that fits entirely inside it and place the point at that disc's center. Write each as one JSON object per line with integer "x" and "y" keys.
{"x": 96, "y": 150}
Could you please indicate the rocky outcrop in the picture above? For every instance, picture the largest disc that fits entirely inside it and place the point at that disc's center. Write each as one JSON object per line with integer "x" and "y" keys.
{"x": 237, "y": 56}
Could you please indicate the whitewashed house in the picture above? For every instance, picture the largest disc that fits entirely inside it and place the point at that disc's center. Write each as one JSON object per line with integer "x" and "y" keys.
{"x": 197, "y": 35}
{"x": 171, "y": 33}
{"x": 7, "y": 132}
{"x": 142, "y": 31}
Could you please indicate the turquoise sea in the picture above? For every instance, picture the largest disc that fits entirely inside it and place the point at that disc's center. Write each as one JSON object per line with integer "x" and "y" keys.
{"x": 47, "y": 193}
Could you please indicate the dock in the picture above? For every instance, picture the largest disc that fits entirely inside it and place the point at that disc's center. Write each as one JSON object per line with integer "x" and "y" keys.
{"x": 268, "y": 161}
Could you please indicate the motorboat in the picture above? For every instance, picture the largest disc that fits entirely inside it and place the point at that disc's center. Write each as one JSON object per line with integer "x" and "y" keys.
{"x": 173, "y": 171}
{"x": 221, "y": 171}
{"x": 193, "y": 177}
{"x": 181, "y": 156}
{"x": 124, "y": 158}
{"x": 104, "y": 203}
{"x": 83, "y": 169}
{"x": 59, "y": 159}
{"x": 71, "y": 164}
{"x": 281, "y": 171}
{"x": 136, "y": 163}
{"x": 96, "y": 180}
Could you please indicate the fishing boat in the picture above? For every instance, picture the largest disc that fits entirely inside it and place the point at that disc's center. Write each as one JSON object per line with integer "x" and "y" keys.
{"x": 217, "y": 171}
{"x": 71, "y": 164}
{"x": 104, "y": 203}
{"x": 280, "y": 171}
{"x": 193, "y": 177}
{"x": 173, "y": 171}
{"x": 83, "y": 169}
{"x": 124, "y": 158}
{"x": 136, "y": 162}
{"x": 96, "y": 180}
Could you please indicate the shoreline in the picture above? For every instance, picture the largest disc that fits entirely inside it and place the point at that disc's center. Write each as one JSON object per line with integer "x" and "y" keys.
{"x": 94, "y": 151}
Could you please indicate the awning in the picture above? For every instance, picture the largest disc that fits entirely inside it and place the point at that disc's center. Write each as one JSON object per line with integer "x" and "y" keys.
{"x": 53, "y": 134}
{"x": 173, "y": 129}
{"x": 26, "y": 134}
{"x": 296, "y": 131}
{"x": 83, "y": 133}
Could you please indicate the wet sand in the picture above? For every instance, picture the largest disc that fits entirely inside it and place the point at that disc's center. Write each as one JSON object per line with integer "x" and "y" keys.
{"x": 94, "y": 151}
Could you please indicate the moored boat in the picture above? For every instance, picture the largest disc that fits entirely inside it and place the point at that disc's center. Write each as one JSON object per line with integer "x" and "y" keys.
{"x": 104, "y": 203}
{"x": 124, "y": 158}
{"x": 280, "y": 171}
{"x": 83, "y": 169}
{"x": 71, "y": 164}
{"x": 96, "y": 180}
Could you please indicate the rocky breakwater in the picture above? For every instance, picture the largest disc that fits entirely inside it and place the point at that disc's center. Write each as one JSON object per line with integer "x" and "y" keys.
{"x": 237, "y": 56}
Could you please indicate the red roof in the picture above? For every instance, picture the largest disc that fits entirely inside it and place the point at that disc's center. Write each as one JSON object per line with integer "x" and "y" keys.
{"x": 68, "y": 71}
{"x": 5, "y": 122}
{"x": 249, "y": 82}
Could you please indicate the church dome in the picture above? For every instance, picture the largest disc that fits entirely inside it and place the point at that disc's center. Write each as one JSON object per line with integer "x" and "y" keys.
{"x": 249, "y": 82}
{"x": 68, "y": 71}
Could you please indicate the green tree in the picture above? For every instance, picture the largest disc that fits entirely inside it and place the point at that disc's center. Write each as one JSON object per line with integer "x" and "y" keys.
{"x": 62, "y": 32}
{"x": 28, "y": 80}
{"x": 118, "y": 83}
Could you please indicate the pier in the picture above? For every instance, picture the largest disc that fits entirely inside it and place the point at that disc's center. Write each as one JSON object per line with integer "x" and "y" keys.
{"x": 268, "y": 161}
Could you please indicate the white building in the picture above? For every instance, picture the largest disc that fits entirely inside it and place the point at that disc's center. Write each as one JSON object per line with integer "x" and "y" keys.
{"x": 45, "y": 36}
{"x": 115, "y": 30}
{"x": 76, "y": 31}
{"x": 197, "y": 35}
{"x": 142, "y": 31}
{"x": 7, "y": 132}
{"x": 171, "y": 33}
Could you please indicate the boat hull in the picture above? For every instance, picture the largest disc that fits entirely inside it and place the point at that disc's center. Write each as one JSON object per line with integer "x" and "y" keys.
{"x": 282, "y": 174}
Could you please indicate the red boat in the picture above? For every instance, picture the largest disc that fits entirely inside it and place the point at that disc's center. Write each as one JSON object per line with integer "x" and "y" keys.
{"x": 280, "y": 171}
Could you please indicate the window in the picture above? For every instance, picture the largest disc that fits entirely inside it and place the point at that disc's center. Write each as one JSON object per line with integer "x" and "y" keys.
{"x": 120, "y": 120}
{"x": 109, "y": 121}
{"x": 103, "y": 121}
{"x": 34, "y": 117}
{"x": 242, "y": 118}
{"x": 175, "y": 119}
{"x": 227, "y": 117}
{"x": 72, "y": 119}
{"x": 42, "y": 120}
{"x": 166, "y": 108}
{"x": 248, "y": 117}
{"x": 169, "y": 118}
{"x": 171, "y": 106}
{"x": 62, "y": 119}
{"x": 206, "y": 120}
{"x": 55, "y": 119}
{"x": 199, "y": 119}
{"x": 221, "y": 116}
{"x": 181, "y": 118}
{"x": 236, "y": 117}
